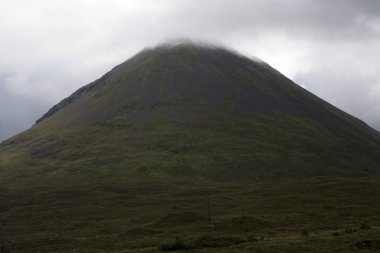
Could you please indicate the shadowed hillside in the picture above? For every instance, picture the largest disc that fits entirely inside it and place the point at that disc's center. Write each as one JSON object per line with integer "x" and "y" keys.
{"x": 189, "y": 112}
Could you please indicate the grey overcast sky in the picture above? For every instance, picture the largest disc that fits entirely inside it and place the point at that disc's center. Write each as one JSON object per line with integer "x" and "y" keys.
{"x": 49, "y": 48}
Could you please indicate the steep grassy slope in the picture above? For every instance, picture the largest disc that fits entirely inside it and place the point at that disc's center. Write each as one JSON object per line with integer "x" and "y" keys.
{"x": 186, "y": 113}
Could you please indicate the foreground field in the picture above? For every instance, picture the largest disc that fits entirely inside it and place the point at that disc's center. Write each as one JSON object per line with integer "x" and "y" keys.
{"x": 315, "y": 215}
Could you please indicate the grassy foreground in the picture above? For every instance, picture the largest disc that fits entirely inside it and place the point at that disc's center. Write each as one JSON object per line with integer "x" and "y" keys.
{"x": 314, "y": 215}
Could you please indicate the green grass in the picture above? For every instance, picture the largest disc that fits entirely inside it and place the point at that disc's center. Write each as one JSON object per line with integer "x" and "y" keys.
{"x": 215, "y": 149}
{"x": 336, "y": 213}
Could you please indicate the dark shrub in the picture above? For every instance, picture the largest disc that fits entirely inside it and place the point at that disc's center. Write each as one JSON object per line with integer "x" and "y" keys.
{"x": 178, "y": 244}
{"x": 3, "y": 249}
{"x": 368, "y": 245}
{"x": 202, "y": 242}
{"x": 216, "y": 242}
{"x": 364, "y": 244}
{"x": 365, "y": 226}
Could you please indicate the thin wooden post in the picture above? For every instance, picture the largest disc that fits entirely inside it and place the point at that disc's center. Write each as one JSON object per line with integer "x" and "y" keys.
{"x": 209, "y": 210}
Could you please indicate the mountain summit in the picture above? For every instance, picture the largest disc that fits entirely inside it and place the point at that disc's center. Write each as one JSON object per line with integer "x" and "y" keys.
{"x": 190, "y": 112}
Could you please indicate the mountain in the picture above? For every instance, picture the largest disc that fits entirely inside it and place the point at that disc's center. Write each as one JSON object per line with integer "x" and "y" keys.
{"x": 190, "y": 112}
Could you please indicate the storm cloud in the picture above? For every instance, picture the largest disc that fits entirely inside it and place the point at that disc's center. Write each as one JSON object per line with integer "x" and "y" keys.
{"x": 50, "y": 48}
